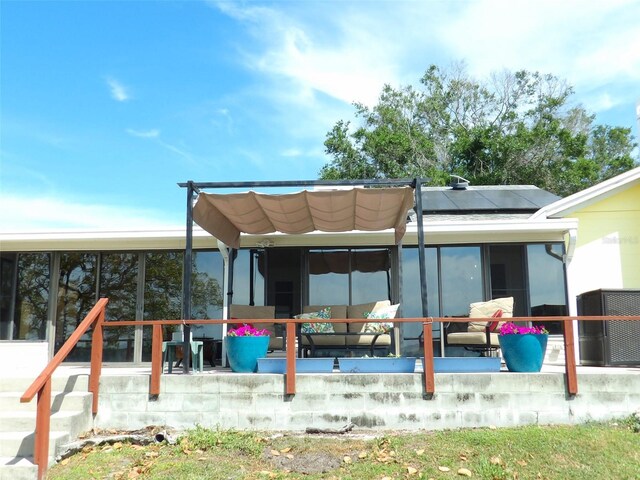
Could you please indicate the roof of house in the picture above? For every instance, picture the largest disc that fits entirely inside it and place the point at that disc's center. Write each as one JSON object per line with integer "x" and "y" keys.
{"x": 589, "y": 196}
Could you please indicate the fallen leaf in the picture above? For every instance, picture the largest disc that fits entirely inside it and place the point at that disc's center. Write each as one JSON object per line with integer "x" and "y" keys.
{"x": 412, "y": 471}
{"x": 186, "y": 451}
{"x": 64, "y": 462}
{"x": 492, "y": 427}
{"x": 362, "y": 454}
{"x": 392, "y": 453}
{"x": 264, "y": 472}
{"x": 347, "y": 459}
{"x": 522, "y": 463}
{"x": 275, "y": 453}
{"x": 202, "y": 459}
{"x": 289, "y": 456}
{"x": 117, "y": 445}
{"x": 151, "y": 454}
{"x": 444, "y": 469}
{"x": 420, "y": 452}
{"x": 465, "y": 472}
{"x": 137, "y": 447}
{"x": 463, "y": 457}
{"x": 385, "y": 478}
{"x": 285, "y": 450}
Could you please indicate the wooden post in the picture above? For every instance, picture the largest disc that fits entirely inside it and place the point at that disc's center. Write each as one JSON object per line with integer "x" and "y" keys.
{"x": 43, "y": 423}
{"x": 156, "y": 360}
{"x": 96, "y": 360}
{"x": 429, "y": 376}
{"x": 570, "y": 357}
{"x": 291, "y": 358}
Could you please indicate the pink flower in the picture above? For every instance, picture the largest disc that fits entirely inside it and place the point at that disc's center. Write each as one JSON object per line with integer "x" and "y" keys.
{"x": 247, "y": 331}
{"x": 511, "y": 328}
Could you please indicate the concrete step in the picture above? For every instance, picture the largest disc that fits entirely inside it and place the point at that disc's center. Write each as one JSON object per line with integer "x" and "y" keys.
{"x": 20, "y": 444}
{"x": 19, "y": 468}
{"x": 67, "y": 383}
{"x": 10, "y": 401}
{"x": 74, "y": 422}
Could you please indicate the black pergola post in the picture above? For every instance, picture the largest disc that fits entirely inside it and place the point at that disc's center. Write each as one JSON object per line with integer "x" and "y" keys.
{"x": 186, "y": 281}
{"x": 421, "y": 255}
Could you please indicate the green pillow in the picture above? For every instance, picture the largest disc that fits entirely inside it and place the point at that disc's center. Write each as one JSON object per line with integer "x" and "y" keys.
{"x": 316, "y": 327}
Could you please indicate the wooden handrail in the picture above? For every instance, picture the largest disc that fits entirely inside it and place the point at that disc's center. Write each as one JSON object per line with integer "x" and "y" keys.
{"x": 42, "y": 385}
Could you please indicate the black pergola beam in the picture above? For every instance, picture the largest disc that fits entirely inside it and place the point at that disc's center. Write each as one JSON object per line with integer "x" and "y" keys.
{"x": 299, "y": 183}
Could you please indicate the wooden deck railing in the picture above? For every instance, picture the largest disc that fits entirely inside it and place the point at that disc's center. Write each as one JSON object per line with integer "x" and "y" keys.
{"x": 42, "y": 385}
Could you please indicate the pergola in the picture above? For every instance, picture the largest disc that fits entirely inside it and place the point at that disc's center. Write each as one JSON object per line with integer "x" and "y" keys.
{"x": 365, "y": 205}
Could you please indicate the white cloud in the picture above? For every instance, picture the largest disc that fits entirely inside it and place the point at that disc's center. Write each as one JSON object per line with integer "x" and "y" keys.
{"x": 118, "y": 91}
{"x": 590, "y": 43}
{"x": 349, "y": 55}
{"x": 22, "y": 213}
{"x": 153, "y": 133}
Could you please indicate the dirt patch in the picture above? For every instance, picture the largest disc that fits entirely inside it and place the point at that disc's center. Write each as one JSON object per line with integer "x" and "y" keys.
{"x": 305, "y": 463}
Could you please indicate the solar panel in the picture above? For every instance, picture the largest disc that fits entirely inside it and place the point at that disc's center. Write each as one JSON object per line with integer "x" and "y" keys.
{"x": 486, "y": 199}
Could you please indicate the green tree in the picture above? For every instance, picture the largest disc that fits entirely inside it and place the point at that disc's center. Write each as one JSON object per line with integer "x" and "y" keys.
{"x": 515, "y": 128}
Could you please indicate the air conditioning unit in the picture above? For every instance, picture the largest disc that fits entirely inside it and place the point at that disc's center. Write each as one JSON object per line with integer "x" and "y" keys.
{"x": 610, "y": 342}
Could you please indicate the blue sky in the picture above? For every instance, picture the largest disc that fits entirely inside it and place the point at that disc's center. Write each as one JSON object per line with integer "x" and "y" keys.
{"x": 106, "y": 105}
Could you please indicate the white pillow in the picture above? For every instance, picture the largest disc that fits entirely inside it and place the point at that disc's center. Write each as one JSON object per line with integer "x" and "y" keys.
{"x": 380, "y": 314}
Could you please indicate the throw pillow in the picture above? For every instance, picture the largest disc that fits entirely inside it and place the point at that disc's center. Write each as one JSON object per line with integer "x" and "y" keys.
{"x": 316, "y": 327}
{"x": 381, "y": 314}
{"x": 488, "y": 309}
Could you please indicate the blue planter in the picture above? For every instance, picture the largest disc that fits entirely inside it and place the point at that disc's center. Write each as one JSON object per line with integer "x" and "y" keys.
{"x": 243, "y": 352}
{"x": 303, "y": 365}
{"x": 523, "y": 353}
{"x": 465, "y": 364}
{"x": 377, "y": 365}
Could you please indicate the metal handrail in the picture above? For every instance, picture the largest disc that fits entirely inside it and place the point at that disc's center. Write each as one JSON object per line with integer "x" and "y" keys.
{"x": 42, "y": 384}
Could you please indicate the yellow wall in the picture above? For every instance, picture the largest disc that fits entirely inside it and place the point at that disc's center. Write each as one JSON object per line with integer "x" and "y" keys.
{"x": 608, "y": 247}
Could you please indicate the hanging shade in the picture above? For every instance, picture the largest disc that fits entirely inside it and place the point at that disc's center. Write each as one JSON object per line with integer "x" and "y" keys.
{"x": 225, "y": 216}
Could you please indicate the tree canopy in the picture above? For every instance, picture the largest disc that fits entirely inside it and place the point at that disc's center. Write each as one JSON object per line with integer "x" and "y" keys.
{"x": 514, "y": 128}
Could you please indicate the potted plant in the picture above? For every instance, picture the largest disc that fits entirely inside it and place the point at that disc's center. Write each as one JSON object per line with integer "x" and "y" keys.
{"x": 523, "y": 348}
{"x": 245, "y": 345}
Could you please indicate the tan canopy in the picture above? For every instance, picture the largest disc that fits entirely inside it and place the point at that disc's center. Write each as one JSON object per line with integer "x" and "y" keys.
{"x": 225, "y": 216}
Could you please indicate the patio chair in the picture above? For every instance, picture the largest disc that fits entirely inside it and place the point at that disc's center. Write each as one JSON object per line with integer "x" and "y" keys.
{"x": 482, "y": 336}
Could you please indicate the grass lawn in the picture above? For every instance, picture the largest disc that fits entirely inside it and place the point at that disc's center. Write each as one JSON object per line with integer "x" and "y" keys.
{"x": 592, "y": 451}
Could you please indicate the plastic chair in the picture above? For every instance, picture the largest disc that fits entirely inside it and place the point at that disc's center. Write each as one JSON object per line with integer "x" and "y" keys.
{"x": 197, "y": 354}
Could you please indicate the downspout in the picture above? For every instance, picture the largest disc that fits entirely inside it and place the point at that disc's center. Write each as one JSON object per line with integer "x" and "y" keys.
{"x": 224, "y": 251}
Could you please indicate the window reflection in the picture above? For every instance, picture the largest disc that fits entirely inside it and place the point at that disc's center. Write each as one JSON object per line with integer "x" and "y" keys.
{"x": 118, "y": 282}
{"x": 248, "y": 277}
{"x": 76, "y": 297}
{"x": 547, "y": 289}
{"x": 329, "y": 277}
{"x": 411, "y": 298}
{"x": 32, "y": 301}
{"x": 461, "y": 270}
{"x": 370, "y": 275}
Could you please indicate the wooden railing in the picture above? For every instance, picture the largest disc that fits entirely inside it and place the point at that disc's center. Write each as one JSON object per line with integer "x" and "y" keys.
{"x": 42, "y": 385}
{"x": 427, "y": 326}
